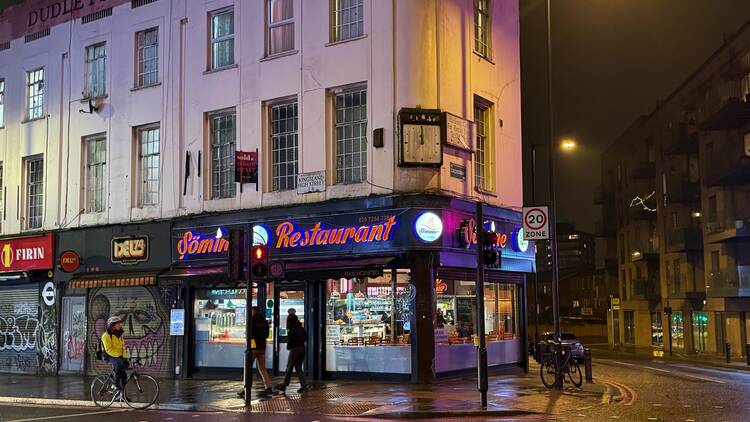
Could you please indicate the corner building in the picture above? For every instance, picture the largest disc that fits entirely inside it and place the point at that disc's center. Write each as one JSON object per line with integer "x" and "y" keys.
{"x": 387, "y": 120}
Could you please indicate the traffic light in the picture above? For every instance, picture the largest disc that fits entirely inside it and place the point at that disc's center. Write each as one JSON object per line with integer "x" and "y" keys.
{"x": 259, "y": 261}
{"x": 236, "y": 254}
{"x": 492, "y": 257}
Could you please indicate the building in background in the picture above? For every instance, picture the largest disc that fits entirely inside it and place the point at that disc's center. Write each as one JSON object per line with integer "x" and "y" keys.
{"x": 366, "y": 132}
{"x": 676, "y": 206}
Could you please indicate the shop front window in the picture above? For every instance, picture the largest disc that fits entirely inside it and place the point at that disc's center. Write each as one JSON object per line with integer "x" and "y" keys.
{"x": 678, "y": 331}
{"x": 700, "y": 331}
{"x": 367, "y": 325}
{"x": 657, "y": 336}
{"x": 456, "y": 321}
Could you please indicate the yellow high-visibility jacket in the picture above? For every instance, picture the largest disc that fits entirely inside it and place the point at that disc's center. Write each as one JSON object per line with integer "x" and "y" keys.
{"x": 114, "y": 346}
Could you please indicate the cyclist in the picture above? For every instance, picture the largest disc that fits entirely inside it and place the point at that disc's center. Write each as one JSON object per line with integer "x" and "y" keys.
{"x": 115, "y": 353}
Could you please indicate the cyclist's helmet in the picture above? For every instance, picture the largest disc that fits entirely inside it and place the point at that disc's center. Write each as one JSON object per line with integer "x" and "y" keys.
{"x": 113, "y": 320}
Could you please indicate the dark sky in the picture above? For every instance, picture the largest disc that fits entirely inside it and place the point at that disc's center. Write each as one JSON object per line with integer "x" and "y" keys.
{"x": 611, "y": 61}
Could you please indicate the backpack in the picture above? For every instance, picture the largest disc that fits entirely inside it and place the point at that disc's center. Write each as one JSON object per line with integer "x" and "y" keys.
{"x": 100, "y": 353}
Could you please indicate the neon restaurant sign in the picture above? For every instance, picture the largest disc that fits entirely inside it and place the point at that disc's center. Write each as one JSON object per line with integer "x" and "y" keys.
{"x": 288, "y": 235}
{"x": 191, "y": 243}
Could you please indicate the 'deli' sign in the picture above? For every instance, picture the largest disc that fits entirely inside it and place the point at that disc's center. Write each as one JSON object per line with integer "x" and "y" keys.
{"x": 130, "y": 250}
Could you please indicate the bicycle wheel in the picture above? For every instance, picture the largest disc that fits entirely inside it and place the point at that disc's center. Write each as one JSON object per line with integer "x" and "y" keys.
{"x": 547, "y": 372}
{"x": 574, "y": 373}
{"x": 141, "y": 391}
{"x": 102, "y": 391}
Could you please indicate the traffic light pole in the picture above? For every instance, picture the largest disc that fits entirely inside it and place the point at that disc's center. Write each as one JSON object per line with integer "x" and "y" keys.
{"x": 248, "y": 373}
{"x": 482, "y": 346}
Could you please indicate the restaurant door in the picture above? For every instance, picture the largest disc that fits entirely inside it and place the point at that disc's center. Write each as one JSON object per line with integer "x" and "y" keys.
{"x": 288, "y": 298}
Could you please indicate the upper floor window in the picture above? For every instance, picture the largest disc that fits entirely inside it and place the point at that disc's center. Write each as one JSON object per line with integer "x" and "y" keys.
{"x": 148, "y": 57}
{"x": 280, "y": 26}
{"x": 95, "y": 70}
{"x": 482, "y": 27}
{"x": 34, "y": 195}
{"x": 350, "y": 126}
{"x": 347, "y": 20}
{"x": 2, "y": 102}
{"x": 222, "y": 126}
{"x": 284, "y": 146}
{"x": 35, "y": 94}
{"x": 95, "y": 173}
{"x": 222, "y": 38}
{"x": 148, "y": 165}
{"x": 484, "y": 155}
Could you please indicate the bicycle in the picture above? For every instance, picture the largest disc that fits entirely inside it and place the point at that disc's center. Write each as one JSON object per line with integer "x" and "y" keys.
{"x": 139, "y": 392}
{"x": 568, "y": 366}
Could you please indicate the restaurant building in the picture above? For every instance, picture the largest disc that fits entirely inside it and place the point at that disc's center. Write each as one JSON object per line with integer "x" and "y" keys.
{"x": 385, "y": 286}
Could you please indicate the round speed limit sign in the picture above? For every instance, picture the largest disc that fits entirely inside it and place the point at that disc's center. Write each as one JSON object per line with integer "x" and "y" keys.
{"x": 536, "y": 222}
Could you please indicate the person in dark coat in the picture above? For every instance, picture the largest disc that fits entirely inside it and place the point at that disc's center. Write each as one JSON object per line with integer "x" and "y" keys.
{"x": 261, "y": 330}
{"x": 296, "y": 338}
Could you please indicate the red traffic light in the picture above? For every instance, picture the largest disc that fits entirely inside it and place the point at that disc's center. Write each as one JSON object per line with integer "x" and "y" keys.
{"x": 259, "y": 261}
{"x": 258, "y": 252}
{"x": 491, "y": 239}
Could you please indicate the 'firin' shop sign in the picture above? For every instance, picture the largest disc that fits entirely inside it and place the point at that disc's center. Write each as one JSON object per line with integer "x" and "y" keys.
{"x": 289, "y": 235}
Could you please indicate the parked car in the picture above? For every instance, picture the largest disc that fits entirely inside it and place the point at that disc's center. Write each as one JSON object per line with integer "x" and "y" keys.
{"x": 568, "y": 339}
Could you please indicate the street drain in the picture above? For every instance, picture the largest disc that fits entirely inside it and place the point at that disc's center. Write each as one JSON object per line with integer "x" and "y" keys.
{"x": 322, "y": 407}
{"x": 349, "y": 409}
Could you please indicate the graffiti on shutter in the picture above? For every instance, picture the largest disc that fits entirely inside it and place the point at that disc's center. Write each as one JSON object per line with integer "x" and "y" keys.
{"x": 19, "y": 329}
{"x": 73, "y": 333}
{"x": 145, "y": 317}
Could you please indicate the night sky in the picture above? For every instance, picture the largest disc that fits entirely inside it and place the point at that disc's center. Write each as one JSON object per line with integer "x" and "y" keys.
{"x": 611, "y": 61}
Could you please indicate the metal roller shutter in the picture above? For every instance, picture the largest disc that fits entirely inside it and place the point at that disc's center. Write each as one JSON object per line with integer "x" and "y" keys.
{"x": 19, "y": 329}
{"x": 145, "y": 320}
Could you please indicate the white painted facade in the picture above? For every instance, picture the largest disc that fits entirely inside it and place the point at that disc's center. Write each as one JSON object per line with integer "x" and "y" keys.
{"x": 415, "y": 53}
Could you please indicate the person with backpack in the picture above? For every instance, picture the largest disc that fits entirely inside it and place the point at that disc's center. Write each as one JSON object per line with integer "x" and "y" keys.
{"x": 296, "y": 338}
{"x": 114, "y": 352}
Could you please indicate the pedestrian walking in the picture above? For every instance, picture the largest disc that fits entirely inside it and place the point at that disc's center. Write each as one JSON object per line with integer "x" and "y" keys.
{"x": 296, "y": 338}
{"x": 258, "y": 347}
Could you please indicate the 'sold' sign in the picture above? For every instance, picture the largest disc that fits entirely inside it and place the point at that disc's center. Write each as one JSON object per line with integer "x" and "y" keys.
{"x": 246, "y": 166}
{"x": 130, "y": 250}
{"x": 27, "y": 253}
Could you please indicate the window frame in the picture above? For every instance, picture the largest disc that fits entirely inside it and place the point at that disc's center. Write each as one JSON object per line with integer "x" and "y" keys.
{"x": 270, "y": 25}
{"x": 27, "y": 194}
{"x": 87, "y": 68}
{"x": 216, "y": 191}
{"x": 363, "y": 167}
{"x": 485, "y": 26}
{"x": 336, "y": 11}
{"x": 212, "y": 41}
{"x": 140, "y": 75}
{"x": 484, "y": 149}
{"x": 274, "y": 178}
{"x": 90, "y": 193}
{"x": 38, "y": 86}
{"x": 141, "y": 180}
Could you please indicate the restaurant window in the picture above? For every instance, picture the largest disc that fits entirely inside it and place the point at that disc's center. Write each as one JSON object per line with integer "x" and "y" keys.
{"x": 347, "y": 19}
{"x": 148, "y": 57}
{"x": 220, "y": 322}
{"x": 484, "y": 157}
{"x": 368, "y": 324}
{"x": 629, "y": 320}
{"x": 678, "y": 330}
{"x": 96, "y": 169}
{"x": 482, "y": 27}
{"x": 280, "y": 26}
{"x": 223, "y": 138}
{"x": 34, "y": 195}
{"x": 35, "y": 94}
{"x": 222, "y": 38}
{"x": 657, "y": 335}
{"x": 456, "y": 321}
{"x": 284, "y": 146}
{"x": 96, "y": 58}
{"x": 148, "y": 165}
{"x": 350, "y": 128}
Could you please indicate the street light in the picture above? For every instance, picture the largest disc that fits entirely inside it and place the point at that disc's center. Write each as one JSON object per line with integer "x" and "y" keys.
{"x": 568, "y": 145}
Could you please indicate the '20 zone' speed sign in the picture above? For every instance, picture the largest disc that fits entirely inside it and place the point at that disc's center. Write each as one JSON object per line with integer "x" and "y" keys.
{"x": 536, "y": 223}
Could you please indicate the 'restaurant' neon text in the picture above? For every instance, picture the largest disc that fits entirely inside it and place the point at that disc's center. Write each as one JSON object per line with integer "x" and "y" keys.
{"x": 289, "y": 236}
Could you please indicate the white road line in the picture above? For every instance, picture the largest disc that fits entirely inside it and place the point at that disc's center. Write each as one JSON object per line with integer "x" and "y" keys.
{"x": 684, "y": 374}
{"x": 658, "y": 369}
{"x": 94, "y": 413}
{"x": 624, "y": 363}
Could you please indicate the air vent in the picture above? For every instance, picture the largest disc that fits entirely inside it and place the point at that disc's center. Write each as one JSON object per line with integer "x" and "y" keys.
{"x": 139, "y": 3}
{"x": 36, "y": 35}
{"x": 5, "y": 46}
{"x": 96, "y": 16}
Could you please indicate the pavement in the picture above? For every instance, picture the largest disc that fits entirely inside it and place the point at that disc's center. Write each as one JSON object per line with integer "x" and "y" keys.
{"x": 513, "y": 394}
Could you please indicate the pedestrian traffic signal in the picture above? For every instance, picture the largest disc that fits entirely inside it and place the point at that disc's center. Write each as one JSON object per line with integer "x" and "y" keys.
{"x": 259, "y": 261}
{"x": 491, "y": 254}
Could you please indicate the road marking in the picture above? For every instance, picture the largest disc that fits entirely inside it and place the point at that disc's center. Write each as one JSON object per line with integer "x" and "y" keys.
{"x": 653, "y": 419}
{"x": 615, "y": 417}
{"x": 624, "y": 363}
{"x": 659, "y": 369}
{"x": 718, "y": 407}
{"x": 92, "y": 413}
{"x": 657, "y": 404}
{"x": 680, "y": 373}
{"x": 687, "y": 405}
{"x": 689, "y": 420}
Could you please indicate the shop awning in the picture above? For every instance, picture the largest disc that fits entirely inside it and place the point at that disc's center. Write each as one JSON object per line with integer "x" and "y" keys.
{"x": 112, "y": 280}
{"x": 339, "y": 268}
{"x": 182, "y": 272}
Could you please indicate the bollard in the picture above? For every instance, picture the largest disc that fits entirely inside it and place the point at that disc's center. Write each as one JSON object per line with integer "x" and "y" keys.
{"x": 587, "y": 365}
{"x": 747, "y": 353}
{"x": 728, "y": 351}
